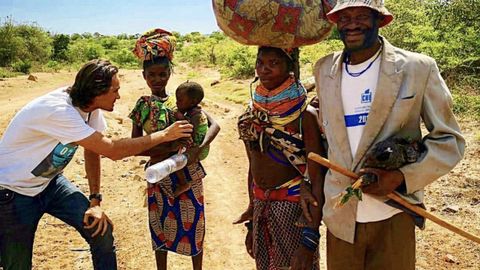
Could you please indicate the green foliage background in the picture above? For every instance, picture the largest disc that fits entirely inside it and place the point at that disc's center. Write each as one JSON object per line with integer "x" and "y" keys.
{"x": 447, "y": 30}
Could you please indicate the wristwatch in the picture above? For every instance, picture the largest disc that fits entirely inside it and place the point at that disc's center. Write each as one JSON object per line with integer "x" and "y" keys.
{"x": 97, "y": 196}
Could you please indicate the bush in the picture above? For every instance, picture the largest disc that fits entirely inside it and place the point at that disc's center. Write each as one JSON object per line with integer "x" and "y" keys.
{"x": 36, "y": 44}
{"x": 310, "y": 54}
{"x": 23, "y": 43}
{"x": 83, "y": 50}
{"x": 235, "y": 60}
{"x": 467, "y": 105}
{"x": 109, "y": 43}
{"x": 6, "y": 73}
{"x": 53, "y": 65}
{"x": 124, "y": 58}
{"x": 9, "y": 44}
{"x": 22, "y": 66}
{"x": 94, "y": 51}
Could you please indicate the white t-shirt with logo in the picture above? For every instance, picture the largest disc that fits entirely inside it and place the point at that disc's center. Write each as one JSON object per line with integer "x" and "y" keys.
{"x": 37, "y": 144}
{"x": 357, "y": 97}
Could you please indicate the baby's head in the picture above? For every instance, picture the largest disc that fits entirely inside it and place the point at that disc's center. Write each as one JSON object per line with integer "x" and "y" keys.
{"x": 188, "y": 95}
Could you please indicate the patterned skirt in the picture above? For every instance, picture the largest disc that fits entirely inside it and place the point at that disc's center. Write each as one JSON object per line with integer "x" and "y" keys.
{"x": 178, "y": 224}
{"x": 275, "y": 235}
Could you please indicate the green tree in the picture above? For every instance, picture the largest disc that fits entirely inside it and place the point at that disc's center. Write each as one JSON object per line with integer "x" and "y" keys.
{"x": 9, "y": 43}
{"x": 75, "y": 36}
{"x": 109, "y": 43}
{"x": 60, "y": 47}
{"x": 125, "y": 58}
{"x": 37, "y": 44}
{"x": 84, "y": 50}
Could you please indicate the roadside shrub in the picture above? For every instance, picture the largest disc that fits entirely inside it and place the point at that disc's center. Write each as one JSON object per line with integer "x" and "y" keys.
{"x": 53, "y": 65}
{"x": 22, "y": 66}
{"x": 6, "y": 73}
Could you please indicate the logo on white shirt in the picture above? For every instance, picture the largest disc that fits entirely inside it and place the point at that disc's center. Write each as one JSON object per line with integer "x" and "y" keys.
{"x": 366, "y": 96}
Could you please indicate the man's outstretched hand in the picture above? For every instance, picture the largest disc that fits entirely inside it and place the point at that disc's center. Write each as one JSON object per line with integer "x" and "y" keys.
{"x": 177, "y": 130}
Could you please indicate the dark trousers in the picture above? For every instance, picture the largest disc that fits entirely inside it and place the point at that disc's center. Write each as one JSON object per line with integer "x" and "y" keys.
{"x": 19, "y": 217}
{"x": 387, "y": 244}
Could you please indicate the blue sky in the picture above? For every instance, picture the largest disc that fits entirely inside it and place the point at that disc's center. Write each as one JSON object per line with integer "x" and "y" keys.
{"x": 112, "y": 17}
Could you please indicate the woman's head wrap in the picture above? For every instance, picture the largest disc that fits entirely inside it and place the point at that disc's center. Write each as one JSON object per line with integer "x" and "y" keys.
{"x": 155, "y": 43}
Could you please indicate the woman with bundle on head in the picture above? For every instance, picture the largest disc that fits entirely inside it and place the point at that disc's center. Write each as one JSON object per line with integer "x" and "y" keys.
{"x": 176, "y": 223}
{"x": 279, "y": 129}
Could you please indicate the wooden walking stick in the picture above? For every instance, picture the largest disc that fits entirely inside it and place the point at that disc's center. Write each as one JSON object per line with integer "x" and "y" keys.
{"x": 420, "y": 211}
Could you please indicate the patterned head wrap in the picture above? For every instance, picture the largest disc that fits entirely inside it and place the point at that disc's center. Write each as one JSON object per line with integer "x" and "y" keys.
{"x": 155, "y": 43}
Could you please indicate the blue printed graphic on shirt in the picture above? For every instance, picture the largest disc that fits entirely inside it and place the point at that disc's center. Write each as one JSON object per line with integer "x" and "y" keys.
{"x": 367, "y": 96}
{"x": 361, "y": 112}
{"x": 356, "y": 120}
{"x": 56, "y": 161}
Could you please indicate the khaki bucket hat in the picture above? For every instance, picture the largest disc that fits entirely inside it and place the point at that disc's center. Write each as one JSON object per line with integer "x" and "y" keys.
{"x": 377, "y": 5}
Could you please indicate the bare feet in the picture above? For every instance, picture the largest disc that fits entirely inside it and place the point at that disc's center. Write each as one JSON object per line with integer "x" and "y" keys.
{"x": 181, "y": 189}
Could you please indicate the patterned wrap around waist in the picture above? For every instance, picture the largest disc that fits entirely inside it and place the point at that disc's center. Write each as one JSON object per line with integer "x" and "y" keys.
{"x": 275, "y": 235}
{"x": 178, "y": 224}
{"x": 289, "y": 191}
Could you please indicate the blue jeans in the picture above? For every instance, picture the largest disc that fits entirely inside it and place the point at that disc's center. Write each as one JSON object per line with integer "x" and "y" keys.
{"x": 19, "y": 217}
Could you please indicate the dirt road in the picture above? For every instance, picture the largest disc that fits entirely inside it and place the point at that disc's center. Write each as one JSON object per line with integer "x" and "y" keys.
{"x": 454, "y": 197}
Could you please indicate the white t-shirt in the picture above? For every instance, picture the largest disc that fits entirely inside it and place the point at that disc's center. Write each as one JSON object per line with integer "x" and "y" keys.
{"x": 357, "y": 97}
{"x": 37, "y": 144}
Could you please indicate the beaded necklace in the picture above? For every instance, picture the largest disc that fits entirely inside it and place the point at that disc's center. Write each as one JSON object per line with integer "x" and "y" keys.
{"x": 358, "y": 74}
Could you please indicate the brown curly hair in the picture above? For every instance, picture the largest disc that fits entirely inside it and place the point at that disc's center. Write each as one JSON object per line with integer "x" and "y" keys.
{"x": 92, "y": 80}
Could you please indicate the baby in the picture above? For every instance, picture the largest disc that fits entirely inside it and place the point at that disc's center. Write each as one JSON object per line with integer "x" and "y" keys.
{"x": 188, "y": 96}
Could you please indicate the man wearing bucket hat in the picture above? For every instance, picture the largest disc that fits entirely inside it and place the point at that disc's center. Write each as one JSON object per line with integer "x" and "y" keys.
{"x": 368, "y": 92}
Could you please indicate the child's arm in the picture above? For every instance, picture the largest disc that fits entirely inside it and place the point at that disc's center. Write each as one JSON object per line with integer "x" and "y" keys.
{"x": 202, "y": 134}
{"x": 213, "y": 129}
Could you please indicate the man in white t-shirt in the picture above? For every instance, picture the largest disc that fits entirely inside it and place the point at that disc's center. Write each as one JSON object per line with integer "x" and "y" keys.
{"x": 37, "y": 145}
{"x": 367, "y": 93}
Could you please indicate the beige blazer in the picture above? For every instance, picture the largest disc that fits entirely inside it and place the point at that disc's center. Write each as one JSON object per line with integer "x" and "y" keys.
{"x": 409, "y": 90}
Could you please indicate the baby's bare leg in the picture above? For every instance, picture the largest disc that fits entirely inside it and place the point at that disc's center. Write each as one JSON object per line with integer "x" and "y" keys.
{"x": 182, "y": 184}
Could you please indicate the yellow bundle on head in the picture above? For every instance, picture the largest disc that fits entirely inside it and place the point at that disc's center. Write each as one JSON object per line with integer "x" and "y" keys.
{"x": 274, "y": 23}
{"x": 155, "y": 43}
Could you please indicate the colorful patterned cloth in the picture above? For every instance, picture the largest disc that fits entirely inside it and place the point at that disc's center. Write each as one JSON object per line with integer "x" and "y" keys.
{"x": 176, "y": 224}
{"x": 155, "y": 43}
{"x": 152, "y": 113}
{"x": 275, "y": 23}
{"x": 283, "y": 104}
{"x": 265, "y": 120}
{"x": 275, "y": 235}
